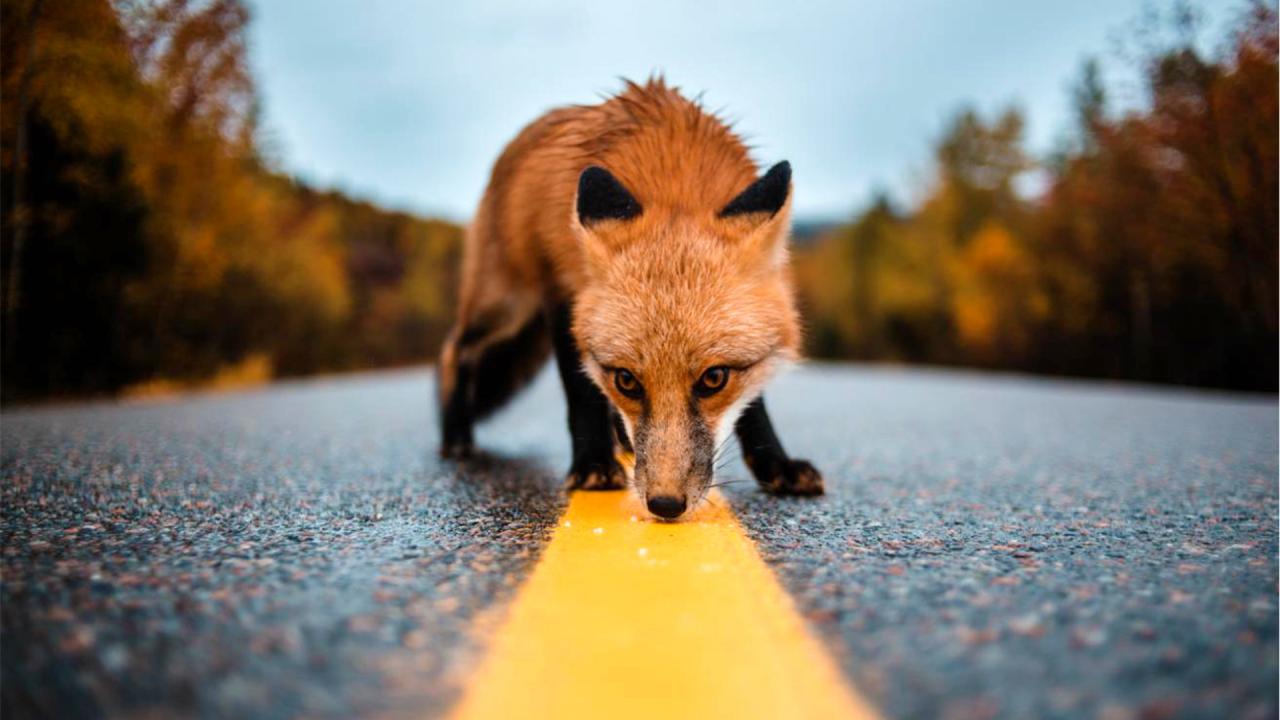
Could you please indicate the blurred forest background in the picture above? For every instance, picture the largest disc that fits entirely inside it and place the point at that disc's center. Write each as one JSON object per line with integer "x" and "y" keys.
{"x": 149, "y": 244}
{"x": 1150, "y": 255}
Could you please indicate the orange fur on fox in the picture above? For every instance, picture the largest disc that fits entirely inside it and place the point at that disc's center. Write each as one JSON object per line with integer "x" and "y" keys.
{"x": 678, "y": 288}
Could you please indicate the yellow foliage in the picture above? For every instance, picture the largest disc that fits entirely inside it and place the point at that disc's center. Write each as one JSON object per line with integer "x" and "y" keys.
{"x": 975, "y": 319}
{"x": 996, "y": 300}
{"x": 255, "y": 369}
{"x": 430, "y": 248}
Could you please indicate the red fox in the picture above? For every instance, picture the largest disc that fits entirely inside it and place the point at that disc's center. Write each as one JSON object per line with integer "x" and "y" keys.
{"x": 635, "y": 240}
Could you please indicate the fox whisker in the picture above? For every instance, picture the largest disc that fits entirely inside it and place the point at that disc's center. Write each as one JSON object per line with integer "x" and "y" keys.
{"x": 717, "y": 458}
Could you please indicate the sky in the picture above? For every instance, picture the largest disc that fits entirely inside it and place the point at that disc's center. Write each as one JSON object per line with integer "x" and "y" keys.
{"x": 408, "y": 103}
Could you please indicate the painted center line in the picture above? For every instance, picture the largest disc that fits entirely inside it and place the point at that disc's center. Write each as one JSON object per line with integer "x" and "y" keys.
{"x": 628, "y": 618}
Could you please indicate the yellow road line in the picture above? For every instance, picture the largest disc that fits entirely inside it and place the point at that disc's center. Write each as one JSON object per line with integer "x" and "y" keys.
{"x": 626, "y": 618}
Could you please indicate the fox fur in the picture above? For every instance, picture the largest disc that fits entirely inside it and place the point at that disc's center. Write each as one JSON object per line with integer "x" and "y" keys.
{"x": 636, "y": 239}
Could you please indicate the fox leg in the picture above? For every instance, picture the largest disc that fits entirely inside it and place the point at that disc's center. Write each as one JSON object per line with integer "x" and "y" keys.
{"x": 483, "y": 364}
{"x": 456, "y": 387}
{"x": 776, "y": 472}
{"x": 590, "y": 423}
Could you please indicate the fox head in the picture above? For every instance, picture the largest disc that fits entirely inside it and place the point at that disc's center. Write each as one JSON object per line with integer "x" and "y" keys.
{"x": 683, "y": 317}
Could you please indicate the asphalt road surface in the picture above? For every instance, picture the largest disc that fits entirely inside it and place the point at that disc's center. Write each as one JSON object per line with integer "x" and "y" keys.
{"x": 989, "y": 546}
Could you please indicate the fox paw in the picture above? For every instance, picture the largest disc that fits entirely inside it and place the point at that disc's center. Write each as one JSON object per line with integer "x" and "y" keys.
{"x": 596, "y": 477}
{"x": 457, "y": 450}
{"x": 792, "y": 477}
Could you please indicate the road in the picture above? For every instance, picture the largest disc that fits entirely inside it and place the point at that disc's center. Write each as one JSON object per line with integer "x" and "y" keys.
{"x": 989, "y": 546}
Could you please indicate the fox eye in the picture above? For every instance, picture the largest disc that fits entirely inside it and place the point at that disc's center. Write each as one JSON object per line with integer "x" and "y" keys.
{"x": 627, "y": 384}
{"x": 711, "y": 382}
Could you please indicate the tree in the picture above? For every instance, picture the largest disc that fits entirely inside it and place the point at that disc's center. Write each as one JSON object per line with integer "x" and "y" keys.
{"x": 1152, "y": 254}
{"x": 153, "y": 245}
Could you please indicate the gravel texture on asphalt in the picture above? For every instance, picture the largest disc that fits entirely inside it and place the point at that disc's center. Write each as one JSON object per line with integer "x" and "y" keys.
{"x": 298, "y": 551}
{"x": 1005, "y": 547}
{"x": 989, "y": 546}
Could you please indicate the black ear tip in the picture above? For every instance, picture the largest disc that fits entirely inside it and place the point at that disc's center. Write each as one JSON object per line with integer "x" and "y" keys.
{"x": 593, "y": 175}
{"x": 602, "y": 197}
{"x": 766, "y": 195}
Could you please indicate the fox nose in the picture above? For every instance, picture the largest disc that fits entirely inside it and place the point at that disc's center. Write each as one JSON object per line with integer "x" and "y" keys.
{"x": 666, "y": 506}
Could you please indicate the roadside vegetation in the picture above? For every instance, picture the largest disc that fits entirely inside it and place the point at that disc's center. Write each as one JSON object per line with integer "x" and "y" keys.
{"x": 1150, "y": 254}
{"x": 150, "y": 243}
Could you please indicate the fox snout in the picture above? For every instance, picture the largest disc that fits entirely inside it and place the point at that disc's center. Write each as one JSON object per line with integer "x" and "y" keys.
{"x": 669, "y": 496}
{"x": 673, "y": 464}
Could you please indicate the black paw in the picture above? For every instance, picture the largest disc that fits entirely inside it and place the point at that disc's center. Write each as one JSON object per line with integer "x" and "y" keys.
{"x": 457, "y": 450}
{"x": 789, "y": 477}
{"x": 596, "y": 476}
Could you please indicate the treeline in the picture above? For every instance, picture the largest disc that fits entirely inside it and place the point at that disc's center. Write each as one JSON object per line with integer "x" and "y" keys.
{"x": 147, "y": 241}
{"x": 1151, "y": 254}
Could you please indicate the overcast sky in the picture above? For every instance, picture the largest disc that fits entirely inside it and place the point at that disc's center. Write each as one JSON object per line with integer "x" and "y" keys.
{"x": 408, "y": 103}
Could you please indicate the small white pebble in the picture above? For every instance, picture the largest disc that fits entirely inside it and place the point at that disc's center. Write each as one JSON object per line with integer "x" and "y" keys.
{"x": 568, "y": 524}
{"x": 598, "y": 531}
{"x": 642, "y": 552}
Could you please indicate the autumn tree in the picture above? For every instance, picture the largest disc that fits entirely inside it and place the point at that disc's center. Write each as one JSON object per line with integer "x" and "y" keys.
{"x": 1151, "y": 255}
{"x": 145, "y": 240}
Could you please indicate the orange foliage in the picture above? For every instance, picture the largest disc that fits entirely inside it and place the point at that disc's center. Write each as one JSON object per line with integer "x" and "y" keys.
{"x": 154, "y": 247}
{"x": 1152, "y": 255}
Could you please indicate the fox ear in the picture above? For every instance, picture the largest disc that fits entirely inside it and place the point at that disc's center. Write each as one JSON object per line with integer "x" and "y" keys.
{"x": 766, "y": 195}
{"x": 762, "y": 213}
{"x": 602, "y": 197}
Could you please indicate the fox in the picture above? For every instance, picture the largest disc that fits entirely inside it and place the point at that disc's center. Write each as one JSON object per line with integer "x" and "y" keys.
{"x": 636, "y": 241}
